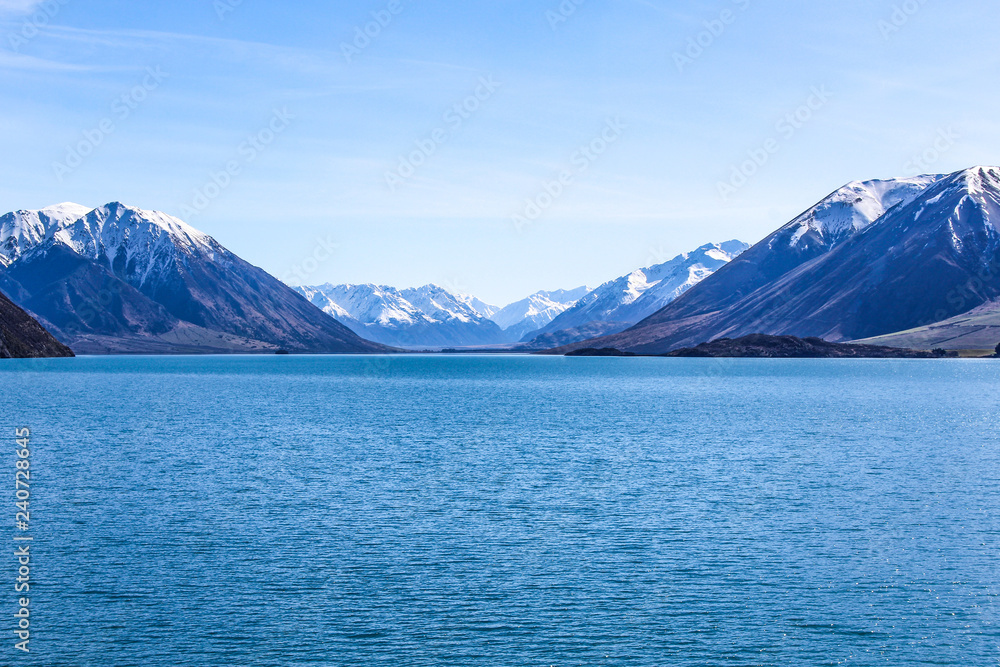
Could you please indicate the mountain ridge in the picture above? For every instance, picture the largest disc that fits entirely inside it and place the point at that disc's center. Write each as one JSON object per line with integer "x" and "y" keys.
{"x": 626, "y": 300}
{"x": 886, "y": 274}
{"x": 119, "y": 277}
{"x": 427, "y": 316}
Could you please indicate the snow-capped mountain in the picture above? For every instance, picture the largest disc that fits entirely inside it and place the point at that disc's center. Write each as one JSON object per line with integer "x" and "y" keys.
{"x": 118, "y": 278}
{"x": 428, "y": 316}
{"x": 22, "y": 230}
{"x": 143, "y": 243}
{"x": 536, "y": 311}
{"x": 833, "y": 272}
{"x": 478, "y": 305}
{"x": 366, "y": 304}
{"x": 441, "y": 305}
{"x": 431, "y": 316}
{"x": 849, "y": 210}
{"x": 629, "y": 299}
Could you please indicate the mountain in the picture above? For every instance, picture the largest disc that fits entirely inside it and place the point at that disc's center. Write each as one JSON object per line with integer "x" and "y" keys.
{"x": 118, "y": 279}
{"x": 536, "y": 311}
{"x": 22, "y": 230}
{"x": 478, "y": 305}
{"x": 21, "y": 337}
{"x": 871, "y": 259}
{"x": 617, "y": 304}
{"x": 441, "y": 305}
{"x": 431, "y": 316}
{"x": 428, "y": 316}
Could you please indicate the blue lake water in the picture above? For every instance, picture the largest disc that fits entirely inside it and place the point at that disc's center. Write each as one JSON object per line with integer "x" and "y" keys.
{"x": 441, "y": 510}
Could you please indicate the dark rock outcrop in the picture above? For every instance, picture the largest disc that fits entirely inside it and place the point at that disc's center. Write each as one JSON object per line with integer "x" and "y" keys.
{"x": 789, "y": 347}
{"x": 603, "y": 352}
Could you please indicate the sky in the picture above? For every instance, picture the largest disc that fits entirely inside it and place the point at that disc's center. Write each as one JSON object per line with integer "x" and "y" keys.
{"x": 493, "y": 148}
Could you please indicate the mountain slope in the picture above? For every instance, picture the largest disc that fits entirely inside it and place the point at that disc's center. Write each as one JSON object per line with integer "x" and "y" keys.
{"x": 978, "y": 329}
{"x": 903, "y": 269}
{"x": 21, "y": 337}
{"x": 631, "y": 298}
{"x": 122, "y": 279}
{"x": 565, "y": 337}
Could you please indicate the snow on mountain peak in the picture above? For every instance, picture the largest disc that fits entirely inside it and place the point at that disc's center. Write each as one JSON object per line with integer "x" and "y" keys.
{"x": 66, "y": 212}
{"x": 119, "y": 215}
{"x": 368, "y": 304}
{"x": 441, "y": 305}
{"x": 856, "y": 206}
{"x": 22, "y": 230}
{"x": 535, "y": 311}
{"x": 718, "y": 254}
{"x": 478, "y": 305}
{"x": 98, "y": 232}
{"x": 641, "y": 293}
{"x": 390, "y": 307}
{"x": 963, "y": 208}
{"x": 144, "y": 244}
{"x": 977, "y": 179}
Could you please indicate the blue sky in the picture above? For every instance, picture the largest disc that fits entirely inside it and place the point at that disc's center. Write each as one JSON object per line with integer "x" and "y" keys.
{"x": 252, "y": 121}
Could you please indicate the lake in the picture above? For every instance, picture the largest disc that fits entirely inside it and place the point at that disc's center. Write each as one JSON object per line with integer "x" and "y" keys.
{"x": 502, "y": 510}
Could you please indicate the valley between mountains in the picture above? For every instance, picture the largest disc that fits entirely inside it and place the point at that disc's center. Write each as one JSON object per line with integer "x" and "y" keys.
{"x": 912, "y": 262}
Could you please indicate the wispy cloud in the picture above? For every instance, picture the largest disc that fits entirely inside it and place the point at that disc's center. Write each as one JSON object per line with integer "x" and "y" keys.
{"x": 301, "y": 60}
{"x": 13, "y": 61}
{"x": 18, "y": 6}
{"x": 330, "y": 73}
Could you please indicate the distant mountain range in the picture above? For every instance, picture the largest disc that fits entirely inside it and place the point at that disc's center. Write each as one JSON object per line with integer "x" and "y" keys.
{"x": 620, "y": 303}
{"x": 430, "y": 316}
{"x": 911, "y": 262}
{"x": 872, "y": 259}
{"x": 118, "y": 279}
